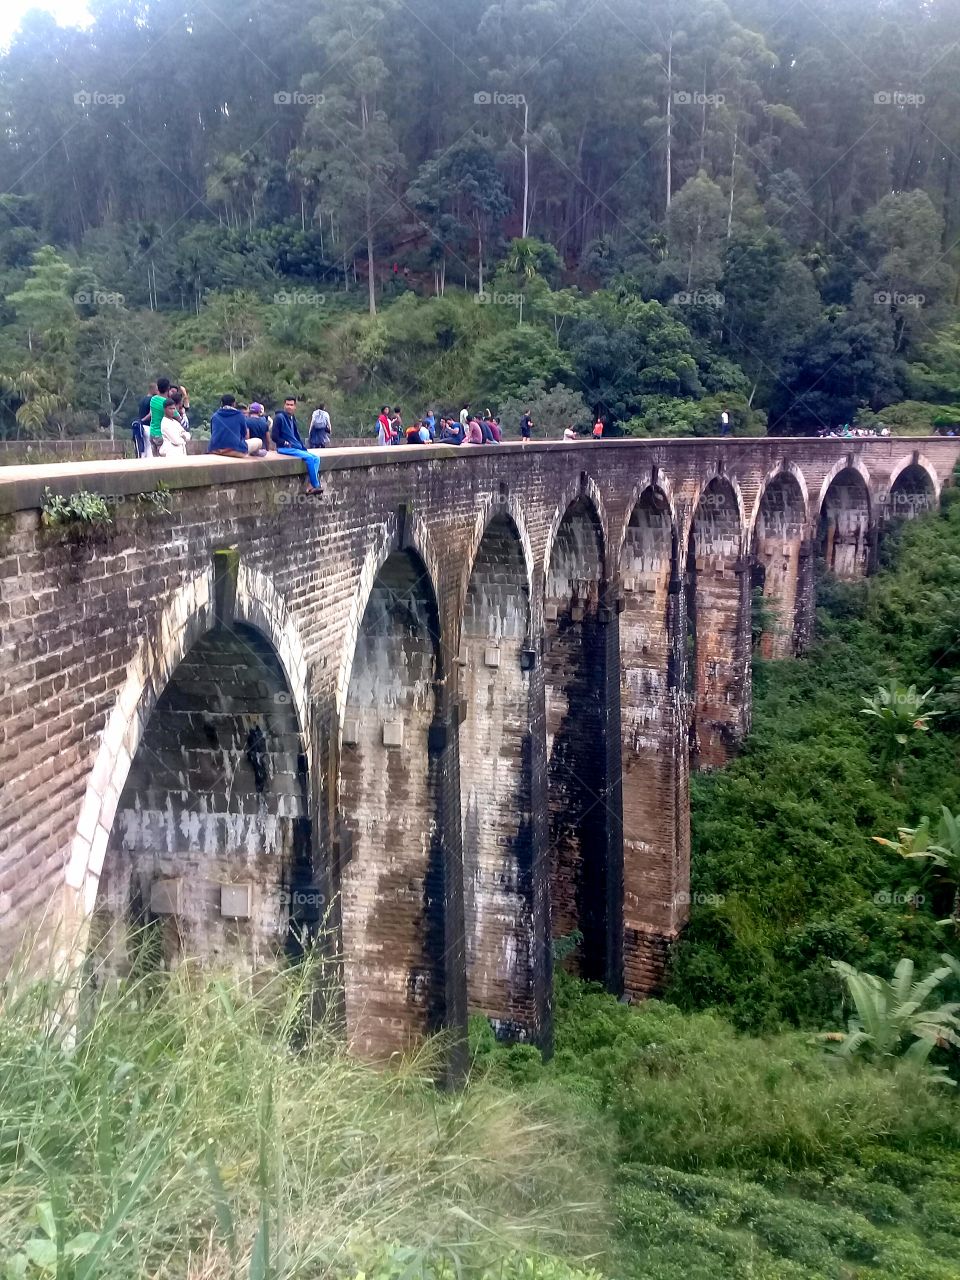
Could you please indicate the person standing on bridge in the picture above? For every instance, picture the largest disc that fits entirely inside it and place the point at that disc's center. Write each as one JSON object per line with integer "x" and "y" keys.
{"x": 320, "y": 428}
{"x": 287, "y": 438}
{"x": 384, "y": 429}
{"x": 175, "y": 434}
{"x": 157, "y": 403}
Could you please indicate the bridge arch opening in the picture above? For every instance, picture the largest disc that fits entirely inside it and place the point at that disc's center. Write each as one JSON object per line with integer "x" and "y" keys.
{"x": 496, "y": 663}
{"x": 777, "y": 547}
{"x": 912, "y": 493}
{"x": 575, "y": 685}
{"x": 390, "y": 846}
{"x": 718, "y": 635}
{"x": 843, "y": 531}
{"x": 653, "y": 756}
{"x": 209, "y": 857}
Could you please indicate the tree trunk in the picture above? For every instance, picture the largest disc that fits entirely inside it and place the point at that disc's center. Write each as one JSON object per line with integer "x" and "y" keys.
{"x": 526, "y": 172}
{"x": 371, "y": 286}
{"x": 733, "y": 178}
{"x": 669, "y": 119}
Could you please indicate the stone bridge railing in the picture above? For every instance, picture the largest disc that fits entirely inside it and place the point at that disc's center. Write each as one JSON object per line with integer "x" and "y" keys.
{"x": 449, "y": 708}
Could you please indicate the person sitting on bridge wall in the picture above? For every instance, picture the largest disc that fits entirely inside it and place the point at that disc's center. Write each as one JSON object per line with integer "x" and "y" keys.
{"x": 287, "y": 438}
{"x": 258, "y": 424}
{"x": 229, "y": 435}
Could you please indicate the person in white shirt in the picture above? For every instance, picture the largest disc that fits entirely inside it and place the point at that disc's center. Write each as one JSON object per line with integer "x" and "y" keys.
{"x": 175, "y": 435}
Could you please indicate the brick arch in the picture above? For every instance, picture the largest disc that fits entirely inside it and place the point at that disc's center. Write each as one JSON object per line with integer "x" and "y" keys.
{"x": 778, "y": 531}
{"x": 781, "y": 469}
{"x": 586, "y": 489}
{"x": 718, "y": 623}
{"x": 184, "y": 620}
{"x": 662, "y": 483}
{"x": 917, "y": 460}
{"x": 381, "y": 549}
{"x": 503, "y": 915}
{"x": 845, "y": 544}
{"x": 390, "y": 815}
{"x": 489, "y": 510}
{"x": 841, "y": 465}
{"x": 698, "y": 498}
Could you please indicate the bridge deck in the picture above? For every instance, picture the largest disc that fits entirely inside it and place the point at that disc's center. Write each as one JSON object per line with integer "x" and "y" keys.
{"x": 22, "y": 486}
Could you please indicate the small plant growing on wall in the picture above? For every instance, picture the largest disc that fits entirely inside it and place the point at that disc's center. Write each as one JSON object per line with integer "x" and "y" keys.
{"x": 59, "y": 511}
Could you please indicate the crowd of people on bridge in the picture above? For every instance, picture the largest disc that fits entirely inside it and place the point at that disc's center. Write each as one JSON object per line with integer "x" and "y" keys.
{"x": 849, "y": 432}
{"x": 162, "y": 429}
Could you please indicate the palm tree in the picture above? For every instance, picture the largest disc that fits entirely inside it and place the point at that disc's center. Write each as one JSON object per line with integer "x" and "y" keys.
{"x": 891, "y": 1025}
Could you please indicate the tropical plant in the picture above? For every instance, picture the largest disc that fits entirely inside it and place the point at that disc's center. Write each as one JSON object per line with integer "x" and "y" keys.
{"x": 900, "y": 711}
{"x": 891, "y": 1023}
{"x": 939, "y": 851}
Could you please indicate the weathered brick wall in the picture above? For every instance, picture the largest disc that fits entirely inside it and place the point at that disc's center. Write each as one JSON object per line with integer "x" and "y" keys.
{"x": 654, "y": 756}
{"x": 719, "y": 610}
{"x": 574, "y": 668}
{"x": 212, "y": 798}
{"x": 496, "y": 660}
{"x": 94, "y": 629}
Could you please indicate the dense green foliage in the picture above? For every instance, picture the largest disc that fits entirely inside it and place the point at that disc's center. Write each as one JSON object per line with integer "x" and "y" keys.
{"x": 665, "y": 209}
{"x": 736, "y": 1156}
{"x": 801, "y": 881}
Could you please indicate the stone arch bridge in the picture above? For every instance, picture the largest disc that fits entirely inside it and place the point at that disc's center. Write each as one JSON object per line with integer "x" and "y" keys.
{"x": 449, "y": 708}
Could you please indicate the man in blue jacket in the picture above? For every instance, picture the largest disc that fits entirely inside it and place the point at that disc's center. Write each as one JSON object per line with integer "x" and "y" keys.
{"x": 286, "y": 437}
{"x": 228, "y": 431}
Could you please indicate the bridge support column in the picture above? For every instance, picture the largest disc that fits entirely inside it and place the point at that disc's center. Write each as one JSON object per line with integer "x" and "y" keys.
{"x": 579, "y": 637}
{"x": 718, "y": 607}
{"x": 653, "y": 745}
{"x": 503, "y": 793}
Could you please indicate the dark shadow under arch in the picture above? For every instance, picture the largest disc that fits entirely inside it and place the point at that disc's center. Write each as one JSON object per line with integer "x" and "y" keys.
{"x": 391, "y": 867}
{"x": 210, "y": 853}
{"x": 777, "y": 564}
{"x": 843, "y": 527}
{"x": 496, "y": 667}
{"x": 718, "y": 648}
{"x": 575, "y": 674}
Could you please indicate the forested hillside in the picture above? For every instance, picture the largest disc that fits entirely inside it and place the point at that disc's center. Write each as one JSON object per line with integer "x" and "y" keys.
{"x": 666, "y": 208}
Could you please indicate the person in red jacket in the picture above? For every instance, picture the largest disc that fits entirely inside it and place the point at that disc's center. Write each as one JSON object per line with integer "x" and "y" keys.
{"x": 384, "y": 429}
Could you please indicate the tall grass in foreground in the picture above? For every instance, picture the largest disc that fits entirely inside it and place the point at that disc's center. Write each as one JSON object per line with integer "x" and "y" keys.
{"x": 191, "y": 1129}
